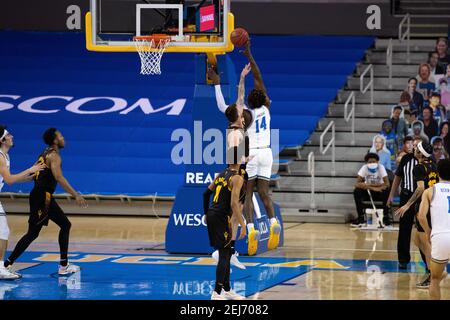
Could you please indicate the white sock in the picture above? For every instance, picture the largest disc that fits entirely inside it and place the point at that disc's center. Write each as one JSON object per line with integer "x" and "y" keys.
{"x": 250, "y": 226}
{"x": 273, "y": 221}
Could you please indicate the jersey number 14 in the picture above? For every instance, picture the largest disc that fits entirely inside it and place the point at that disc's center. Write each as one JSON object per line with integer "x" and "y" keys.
{"x": 263, "y": 125}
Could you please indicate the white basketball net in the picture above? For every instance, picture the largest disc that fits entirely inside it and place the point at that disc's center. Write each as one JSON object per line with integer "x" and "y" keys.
{"x": 151, "y": 54}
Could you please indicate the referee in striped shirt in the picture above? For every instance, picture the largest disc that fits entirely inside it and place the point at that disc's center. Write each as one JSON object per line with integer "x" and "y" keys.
{"x": 404, "y": 175}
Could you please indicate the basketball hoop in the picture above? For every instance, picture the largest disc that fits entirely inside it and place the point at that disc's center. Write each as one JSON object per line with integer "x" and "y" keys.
{"x": 150, "y": 49}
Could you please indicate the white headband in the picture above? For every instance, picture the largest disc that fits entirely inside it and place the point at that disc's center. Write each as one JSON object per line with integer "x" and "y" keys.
{"x": 4, "y": 134}
{"x": 426, "y": 154}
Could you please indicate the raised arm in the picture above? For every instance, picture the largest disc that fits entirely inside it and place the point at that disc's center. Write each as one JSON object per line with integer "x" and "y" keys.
{"x": 215, "y": 78}
{"x": 23, "y": 176}
{"x": 55, "y": 167}
{"x": 257, "y": 76}
{"x": 241, "y": 89}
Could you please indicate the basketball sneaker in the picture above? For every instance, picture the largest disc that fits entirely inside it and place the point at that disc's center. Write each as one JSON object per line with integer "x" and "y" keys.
{"x": 5, "y": 274}
{"x": 357, "y": 224}
{"x": 10, "y": 269}
{"x": 253, "y": 238}
{"x": 274, "y": 237}
{"x": 70, "y": 268}
{"x": 234, "y": 260}
{"x": 215, "y": 256}
{"x": 232, "y": 295}
{"x": 216, "y": 296}
{"x": 425, "y": 284}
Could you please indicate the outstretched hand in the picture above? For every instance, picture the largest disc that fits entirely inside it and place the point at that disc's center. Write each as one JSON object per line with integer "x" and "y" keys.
{"x": 401, "y": 211}
{"x": 212, "y": 74}
{"x": 81, "y": 201}
{"x": 246, "y": 70}
{"x": 36, "y": 168}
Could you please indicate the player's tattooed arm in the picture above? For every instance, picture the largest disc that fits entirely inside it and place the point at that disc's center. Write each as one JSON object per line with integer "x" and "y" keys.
{"x": 241, "y": 90}
{"x": 416, "y": 195}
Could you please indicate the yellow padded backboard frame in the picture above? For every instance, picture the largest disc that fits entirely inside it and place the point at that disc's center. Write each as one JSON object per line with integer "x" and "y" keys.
{"x": 91, "y": 46}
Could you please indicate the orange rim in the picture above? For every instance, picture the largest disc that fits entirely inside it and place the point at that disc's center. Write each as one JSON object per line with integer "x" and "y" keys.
{"x": 157, "y": 38}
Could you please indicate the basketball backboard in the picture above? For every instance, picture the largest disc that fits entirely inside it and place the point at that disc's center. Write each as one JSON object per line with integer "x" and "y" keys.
{"x": 194, "y": 26}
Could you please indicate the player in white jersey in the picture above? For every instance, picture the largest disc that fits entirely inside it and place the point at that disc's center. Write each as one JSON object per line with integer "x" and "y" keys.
{"x": 259, "y": 168}
{"x": 6, "y": 142}
{"x": 436, "y": 202}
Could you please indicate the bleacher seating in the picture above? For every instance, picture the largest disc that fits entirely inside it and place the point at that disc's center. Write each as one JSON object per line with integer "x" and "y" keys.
{"x": 112, "y": 153}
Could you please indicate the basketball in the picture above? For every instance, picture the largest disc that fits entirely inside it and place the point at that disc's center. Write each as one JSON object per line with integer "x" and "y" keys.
{"x": 239, "y": 37}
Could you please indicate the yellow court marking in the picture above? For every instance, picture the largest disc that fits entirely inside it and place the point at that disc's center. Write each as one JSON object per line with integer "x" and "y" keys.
{"x": 320, "y": 264}
{"x": 52, "y": 257}
{"x": 159, "y": 259}
{"x": 95, "y": 258}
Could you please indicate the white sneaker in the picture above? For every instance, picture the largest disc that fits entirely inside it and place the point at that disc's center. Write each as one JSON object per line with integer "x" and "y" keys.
{"x": 231, "y": 295}
{"x": 10, "y": 269}
{"x": 215, "y": 256}
{"x": 216, "y": 296}
{"x": 235, "y": 262}
{"x": 6, "y": 275}
{"x": 70, "y": 268}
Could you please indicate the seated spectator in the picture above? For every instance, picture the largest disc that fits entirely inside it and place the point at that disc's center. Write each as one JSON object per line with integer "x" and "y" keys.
{"x": 439, "y": 152}
{"x": 379, "y": 147}
{"x": 430, "y": 125}
{"x": 408, "y": 146}
{"x": 426, "y": 84}
{"x": 416, "y": 104}
{"x": 439, "y": 111}
{"x": 435, "y": 66}
{"x": 372, "y": 176}
{"x": 399, "y": 124}
{"x": 391, "y": 140}
{"x": 445, "y": 136}
{"x": 442, "y": 50}
{"x": 409, "y": 118}
{"x": 447, "y": 76}
{"x": 405, "y": 100}
{"x": 417, "y": 131}
{"x": 444, "y": 90}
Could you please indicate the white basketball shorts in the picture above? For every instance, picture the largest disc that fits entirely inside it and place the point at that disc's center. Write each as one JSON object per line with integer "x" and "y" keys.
{"x": 440, "y": 247}
{"x": 261, "y": 165}
{"x": 4, "y": 230}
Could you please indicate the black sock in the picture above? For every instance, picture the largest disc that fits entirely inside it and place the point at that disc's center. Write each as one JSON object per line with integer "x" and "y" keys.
{"x": 233, "y": 251}
{"x": 7, "y": 263}
{"x": 218, "y": 288}
{"x": 63, "y": 262}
